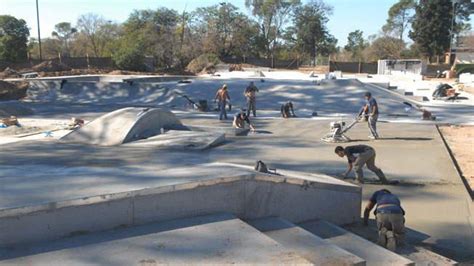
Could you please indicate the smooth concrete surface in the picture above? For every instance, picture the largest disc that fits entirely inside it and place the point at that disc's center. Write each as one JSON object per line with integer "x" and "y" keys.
{"x": 123, "y": 126}
{"x": 176, "y": 139}
{"x": 370, "y": 252}
{"x": 247, "y": 196}
{"x": 304, "y": 243}
{"x": 214, "y": 239}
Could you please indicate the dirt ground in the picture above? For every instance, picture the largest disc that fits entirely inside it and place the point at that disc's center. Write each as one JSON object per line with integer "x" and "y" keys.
{"x": 461, "y": 142}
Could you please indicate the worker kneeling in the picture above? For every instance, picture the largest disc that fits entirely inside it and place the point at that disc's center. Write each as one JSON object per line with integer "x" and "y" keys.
{"x": 240, "y": 119}
{"x": 360, "y": 155}
{"x": 390, "y": 218}
{"x": 287, "y": 110}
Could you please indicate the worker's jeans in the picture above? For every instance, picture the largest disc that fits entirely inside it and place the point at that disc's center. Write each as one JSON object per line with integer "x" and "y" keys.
{"x": 394, "y": 222}
{"x": 368, "y": 157}
{"x": 251, "y": 106}
{"x": 223, "y": 112}
{"x": 373, "y": 125}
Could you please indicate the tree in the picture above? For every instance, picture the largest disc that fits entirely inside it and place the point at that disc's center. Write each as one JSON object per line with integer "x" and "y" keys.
{"x": 312, "y": 34}
{"x": 272, "y": 16}
{"x": 64, "y": 33}
{"x": 99, "y": 33}
{"x": 225, "y": 29}
{"x": 399, "y": 17}
{"x": 356, "y": 44}
{"x": 385, "y": 47}
{"x": 431, "y": 27}
{"x": 14, "y": 35}
{"x": 128, "y": 54}
{"x": 158, "y": 31}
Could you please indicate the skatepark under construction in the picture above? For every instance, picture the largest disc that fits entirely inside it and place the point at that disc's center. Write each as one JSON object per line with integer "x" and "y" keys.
{"x": 150, "y": 180}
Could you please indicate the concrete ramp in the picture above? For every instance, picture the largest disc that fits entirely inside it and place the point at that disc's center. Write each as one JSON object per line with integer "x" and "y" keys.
{"x": 123, "y": 126}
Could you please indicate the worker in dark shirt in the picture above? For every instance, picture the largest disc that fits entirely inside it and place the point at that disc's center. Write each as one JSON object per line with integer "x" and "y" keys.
{"x": 390, "y": 218}
{"x": 360, "y": 155}
{"x": 287, "y": 110}
{"x": 371, "y": 110}
{"x": 240, "y": 119}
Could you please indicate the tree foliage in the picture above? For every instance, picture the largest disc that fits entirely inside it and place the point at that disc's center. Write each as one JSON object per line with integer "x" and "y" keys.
{"x": 64, "y": 32}
{"x": 14, "y": 35}
{"x": 431, "y": 26}
{"x": 310, "y": 32}
{"x": 356, "y": 44}
{"x": 400, "y": 15}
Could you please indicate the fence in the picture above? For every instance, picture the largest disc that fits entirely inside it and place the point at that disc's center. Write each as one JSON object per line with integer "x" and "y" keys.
{"x": 262, "y": 62}
{"x": 353, "y": 67}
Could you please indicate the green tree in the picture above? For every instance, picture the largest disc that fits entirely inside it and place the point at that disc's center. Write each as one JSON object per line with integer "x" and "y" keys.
{"x": 158, "y": 31}
{"x": 64, "y": 33}
{"x": 356, "y": 44}
{"x": 128, "y": 54}
{"x": 312, "y": 34}
{"x": 272, "y": 16}
{"x": 431, "y": 27}
{"x": 399, "y": 18}
{"x": 14, "y": 35}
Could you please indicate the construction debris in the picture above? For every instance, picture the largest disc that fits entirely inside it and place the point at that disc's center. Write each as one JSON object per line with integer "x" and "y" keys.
{"x": 51, "y": 66}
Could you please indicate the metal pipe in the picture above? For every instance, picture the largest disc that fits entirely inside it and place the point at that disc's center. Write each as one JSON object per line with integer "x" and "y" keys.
{"x": 39, "y": 31}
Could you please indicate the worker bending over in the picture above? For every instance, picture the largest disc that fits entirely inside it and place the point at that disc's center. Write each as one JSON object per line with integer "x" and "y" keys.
{"x": 389, "y": 215}
{"x": 287, "y": 110}
{"x": 359, "y": 155}
{"x": 240, "y": 119}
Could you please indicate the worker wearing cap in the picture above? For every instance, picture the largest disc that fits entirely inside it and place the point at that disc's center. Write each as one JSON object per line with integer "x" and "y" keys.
{"x": 360, "y": 155}
{"x": 222, "y": 96}
{"x": 390, "y": 218}
{"x": 371, "y": 110}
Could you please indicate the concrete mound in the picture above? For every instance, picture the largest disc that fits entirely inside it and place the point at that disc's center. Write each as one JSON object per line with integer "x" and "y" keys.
{"x": 123, "y": 126}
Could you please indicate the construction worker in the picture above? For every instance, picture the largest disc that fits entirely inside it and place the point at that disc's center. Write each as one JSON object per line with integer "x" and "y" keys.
{"x": 222, "y": 96}
{"x": 240, "y": 119}
{"x": 371, "y": 110}
{"x": 359, "y": 155}
{"x": 390, "y": 219}
{"x": 250, "y": 94}
{"x": 287, "y": 111}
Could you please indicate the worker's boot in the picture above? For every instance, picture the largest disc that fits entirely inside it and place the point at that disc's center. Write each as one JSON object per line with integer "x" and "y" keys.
{"x": 391, "y": 241}
{"x": 382, "y": 241}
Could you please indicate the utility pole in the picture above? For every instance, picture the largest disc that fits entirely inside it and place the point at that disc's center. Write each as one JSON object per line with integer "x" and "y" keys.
{"x": 39, "y": 31}
{"x": 453, "y": 19}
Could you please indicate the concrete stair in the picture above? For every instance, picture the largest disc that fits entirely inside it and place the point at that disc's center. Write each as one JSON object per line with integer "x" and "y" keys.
{"x": 370, "y": 252}
{"x": 217, "y": 239}
{"x": 304, "y": 243}
{"x": 214, "y": 239}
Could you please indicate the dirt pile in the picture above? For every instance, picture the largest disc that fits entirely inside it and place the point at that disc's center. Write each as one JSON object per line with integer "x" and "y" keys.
{"x": 235, "y": 67}
{"x": 9, "y": 73}
{"x": 204, "y": 63}
{"x": 12, "y": 90}
{"x": 51, "y": 66}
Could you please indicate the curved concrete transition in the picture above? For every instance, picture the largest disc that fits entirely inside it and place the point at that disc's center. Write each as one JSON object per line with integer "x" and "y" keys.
{"x": 123, "y": 126}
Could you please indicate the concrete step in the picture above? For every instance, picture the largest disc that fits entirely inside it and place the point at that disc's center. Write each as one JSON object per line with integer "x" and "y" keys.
{"x": 419, "y": 255}
{"x": 370, "y": 252}
{"x": 304, "y": 243}
{"x": 214, "y": 239}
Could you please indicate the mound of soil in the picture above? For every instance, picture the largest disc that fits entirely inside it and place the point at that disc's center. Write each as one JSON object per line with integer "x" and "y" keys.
{"x": 9, "y": 73}
{"x": 50, "y": 66}
{"x": 235, "y": 67}
{"x": 12, "y": 91}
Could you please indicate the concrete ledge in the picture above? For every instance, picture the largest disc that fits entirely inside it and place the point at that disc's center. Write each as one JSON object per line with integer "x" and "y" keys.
{"x": 249, "y": 196}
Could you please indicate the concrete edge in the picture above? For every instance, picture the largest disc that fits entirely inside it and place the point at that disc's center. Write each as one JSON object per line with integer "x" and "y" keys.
{"x": 96, "y": 199}
{"x": 458, "y": 169}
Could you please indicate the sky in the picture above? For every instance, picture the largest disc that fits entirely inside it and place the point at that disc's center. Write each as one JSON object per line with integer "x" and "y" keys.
{"x": 348, "y": 15}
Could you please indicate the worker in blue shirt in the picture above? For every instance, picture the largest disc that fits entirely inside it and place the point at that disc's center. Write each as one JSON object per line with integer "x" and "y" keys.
{"x": 371, "y": 110}
{"x": 390, "y": 218}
